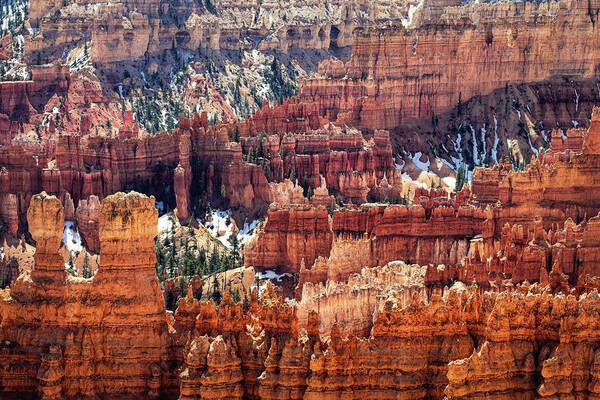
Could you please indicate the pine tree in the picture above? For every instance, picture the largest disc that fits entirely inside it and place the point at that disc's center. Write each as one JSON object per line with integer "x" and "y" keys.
{"x": 71, "y": 266}
{"x": 235, "y": 295}
{"x": 87, "y": 273}
{"x": 160, "y": 259}
{"x": 172, "y": 262}
{"x": 236, "y": 257}
{"x": 216, "y": 294}
{"x": 170, "y": 301}
{"x": 460, "y": 178}
{"x": 235, "y": 134}
{"x": 261, "y": 149}
{"x": 214, "y": 262}
{"x": 201, "y": 266}
{"x": 225, "y": 262}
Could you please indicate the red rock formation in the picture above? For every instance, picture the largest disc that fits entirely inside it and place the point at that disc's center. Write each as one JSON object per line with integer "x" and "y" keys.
{"x": 412, "y": 234}
{"x": 347, "y": 256}
{"x": 387, "y": 233}
{"x": 63, "y": 331}
{"x": 289, "y": 236}
{"x": 9, "y": 213}
{"x": 183, "y": 178}
{"x": 88, "y": 218}
{"x": 555, "y": 187}
{"x": 408, "y": 81}
{"x": 21, "y": 99}
{"x": 326, "y": 161}
{"x": 104, "y": 328}
{"x": 352, "y": 305}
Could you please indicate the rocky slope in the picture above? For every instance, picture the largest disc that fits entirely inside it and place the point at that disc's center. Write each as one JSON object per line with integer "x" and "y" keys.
{"x": 454, "y": 76}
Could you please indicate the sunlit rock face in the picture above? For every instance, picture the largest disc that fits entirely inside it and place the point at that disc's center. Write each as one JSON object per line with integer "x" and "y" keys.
{"x": 112, "y": 326}
{"x": 352, "y": 138}
{"x": 396, "y": 76}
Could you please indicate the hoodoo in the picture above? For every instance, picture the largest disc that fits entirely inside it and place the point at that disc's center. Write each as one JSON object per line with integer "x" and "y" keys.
{"x": 299, "y": 200}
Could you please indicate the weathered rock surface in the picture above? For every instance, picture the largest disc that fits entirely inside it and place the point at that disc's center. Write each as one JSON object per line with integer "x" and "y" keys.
{"x": 9, "y": 213}
{"x": 557, "y": 186}
{"x": 366, "y": 236}
{"x": 88, "y": 218}
{"x": 289, "y": 237}
{"x": 111, "y": 327}
{"x": 63, "y": 331}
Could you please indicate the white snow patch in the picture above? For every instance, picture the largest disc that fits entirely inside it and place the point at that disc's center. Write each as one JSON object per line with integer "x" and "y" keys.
{"x": 71, "y": 238}
{"x": 576, "y": 100}
{"x": 533, "y": 149}
{"x": 217, "y": 225}
{"x": 248, "y": 230}
{"x": 423, "y": 166}
{"x": 475, "y": 150}
{"x": 496, "y": 141}
{"x": 269, "y": 275}
{"x": 165, "y": 223}
{"x": 457, "y": 148}
{"x": 483, "y": 143}
{"x": 273, "y": 276}
{"x": 412, "y": 9}
{"x": 450, "y": 181}
{"x": 575, "y": 123}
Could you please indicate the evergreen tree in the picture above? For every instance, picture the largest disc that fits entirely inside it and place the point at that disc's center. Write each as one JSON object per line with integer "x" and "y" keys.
{"x": 172, "y": 262}
{"x": 461, "y": 176}
{"x": 261, "y": 149}
{"x": 170, "y": 301}
{"x": 235, "y": 295}
{"x": 236, "y": 257}
{"x": 235, "y": 134}
{"x": 188, "y": 262}
{"x": 225, "y": 262}
{"x": 160, "y": 258}
{"x": 214, "y": 262}
{"x": 198, "y": 292}
{"x": 201, "y": 266}
{"x": 216, "y": 294}
{"x": 87, "y": 273}
{"x": 71, "y": 266}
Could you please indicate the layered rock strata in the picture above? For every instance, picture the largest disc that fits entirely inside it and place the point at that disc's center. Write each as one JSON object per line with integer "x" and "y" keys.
{"x": 366, "y": 236}
{"x": 108, "y": 334}
{"x": 73, "y": 337}
{"x": 428, "y": 65}
{"x": 558, "y": 185}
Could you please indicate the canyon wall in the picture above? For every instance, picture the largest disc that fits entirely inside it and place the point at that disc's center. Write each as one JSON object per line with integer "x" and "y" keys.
{"x": 397, "y": 76}
{"x": 558, "y": 185}
{"x": 370, "y": 235}
{"x": 198, "y": 160}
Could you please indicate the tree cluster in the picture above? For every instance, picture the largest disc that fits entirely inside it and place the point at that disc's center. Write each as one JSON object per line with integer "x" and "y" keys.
{"x": 181, "y": 255}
